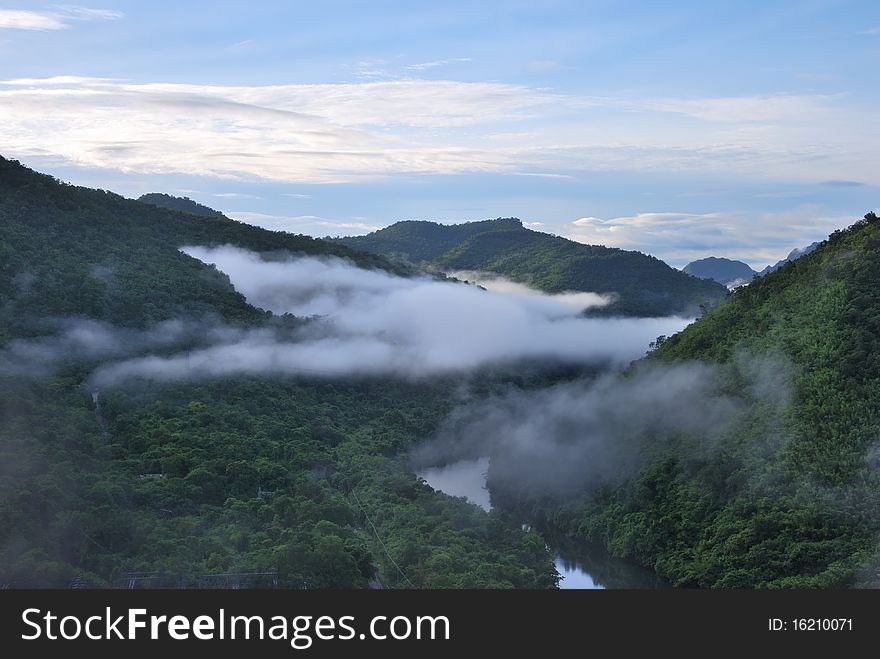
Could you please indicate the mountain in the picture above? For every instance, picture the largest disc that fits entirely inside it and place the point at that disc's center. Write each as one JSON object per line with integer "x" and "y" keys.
{"x": 182, "y": 204}
{"x": 72, "y": 250}
{"x": 641, "y": 285}
{"x": 792, "y": 255}
{"x": 239, "y": 481}
{"x": 724, "y": 271}
{"x": 784, "y": 489}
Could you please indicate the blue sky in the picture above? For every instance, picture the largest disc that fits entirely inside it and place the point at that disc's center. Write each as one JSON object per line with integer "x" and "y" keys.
{"x": 681, "y": 129}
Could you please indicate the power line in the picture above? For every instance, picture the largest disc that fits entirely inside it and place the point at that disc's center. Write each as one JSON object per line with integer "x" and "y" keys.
{"x": 384, "y": 548}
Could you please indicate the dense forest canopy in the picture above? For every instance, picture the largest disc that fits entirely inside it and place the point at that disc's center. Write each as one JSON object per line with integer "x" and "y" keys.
{"x": 182, "y": 204}
{"x": 766, "y": 478}
{"x": 789, "y": 497}
{"x": 219, "y": 482}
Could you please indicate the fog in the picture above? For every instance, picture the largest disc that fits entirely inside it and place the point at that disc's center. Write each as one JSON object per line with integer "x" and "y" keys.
{"x": 373, "y": 322}
{"x": 589, "y": 434}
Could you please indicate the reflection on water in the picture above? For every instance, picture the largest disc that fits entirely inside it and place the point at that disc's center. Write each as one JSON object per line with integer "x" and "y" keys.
{"x": 466, "y": 478}
{"x": 580, "y": 565}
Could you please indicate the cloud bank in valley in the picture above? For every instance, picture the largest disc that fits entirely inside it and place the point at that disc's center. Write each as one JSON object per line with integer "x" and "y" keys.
{"x": 589, "y": 434}
{"x": 371, "y": 322}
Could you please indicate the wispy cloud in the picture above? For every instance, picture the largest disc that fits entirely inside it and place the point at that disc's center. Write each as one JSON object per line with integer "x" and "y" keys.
{"x": 682, "y": 237}
{"x": 309, "y": 224}
{"x": 296, "y": 195}
{"x": 873, "y": 32}
{"x": 423, "y": 66}
{"x": 60, "y": 17}
{"x": 347, "y": 132}
{"x": 235, "y": 195}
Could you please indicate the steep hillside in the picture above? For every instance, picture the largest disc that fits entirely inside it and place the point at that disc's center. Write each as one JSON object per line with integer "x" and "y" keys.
{"x": 789, "y": 496}
{"x": 214, "y": 482}
{"x": 642, "y": 285}
{"x": 66, "y": 250}
{"x": 792, "y": 255}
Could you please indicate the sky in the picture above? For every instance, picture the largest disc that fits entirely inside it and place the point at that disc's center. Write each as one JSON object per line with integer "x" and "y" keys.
{"x": 680, "y": 129}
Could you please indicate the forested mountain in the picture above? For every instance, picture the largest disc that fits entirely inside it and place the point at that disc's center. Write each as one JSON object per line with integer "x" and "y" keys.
{"x": 789, "y": 494}
{"x": 72, "y": 250}
{"x": 724, "y": 271}
{"x": 182, "y": 204}
{"x": 792, "y": 255}
{"x": 642, "y": 285}
{"x": 232, "y": 481}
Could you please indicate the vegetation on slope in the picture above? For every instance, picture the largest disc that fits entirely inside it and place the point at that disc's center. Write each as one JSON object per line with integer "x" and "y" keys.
{"x": 185, "y": 484}
{"x": 641, "y": 285}
{"x": 182, "y": 204}
{"x": 791, "y": 498}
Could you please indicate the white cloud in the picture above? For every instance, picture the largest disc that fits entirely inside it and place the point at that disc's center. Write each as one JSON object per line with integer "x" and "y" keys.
{"x": 374, "y": 322}
{"x": 308, "y": 224}
{"x": 59, "y": 18}
{"x": 434, "y": 64}
{"x": 235, "y": 195}
{"x": 678, "y": 238}
{"x": 16, "y": 19}
{"x": 751, "y": 109}
{"x": 306, "y": 133}
{"x": 349, "y": 132}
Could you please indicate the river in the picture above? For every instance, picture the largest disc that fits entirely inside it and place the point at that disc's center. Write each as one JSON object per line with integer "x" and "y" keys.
{"x": 579, "y": 565}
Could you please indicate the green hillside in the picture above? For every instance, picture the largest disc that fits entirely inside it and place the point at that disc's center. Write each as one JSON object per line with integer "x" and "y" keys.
{"x": 641, "y": 285}
{"x": 67, "y": 250}
{"x": 791, "y": 496}
{"x": 182, "y": 204}
{"x": 298, "y": 483}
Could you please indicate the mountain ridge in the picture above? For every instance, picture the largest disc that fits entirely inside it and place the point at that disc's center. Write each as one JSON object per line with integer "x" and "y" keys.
{"x": 643, "y": 285}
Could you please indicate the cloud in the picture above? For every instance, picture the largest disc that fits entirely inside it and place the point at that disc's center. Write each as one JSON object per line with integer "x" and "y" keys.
{"x": 235, "y": 195}
{"x": 873, "y": 32}
{"x": 375, "y": 323}
{"x": 89, "y": 340}
{"x": 750, "y": 109}
{"x": 492, "y": 282}
{"x": 364, "y": 131}
{"x": 59, "y": 19}
{"x": 309, "y": 224}
{"x": 423, "y": 66}
{"x": 306, "y": 133}
{"x": 757, "y": 239}
{"x": 585, "y": 434}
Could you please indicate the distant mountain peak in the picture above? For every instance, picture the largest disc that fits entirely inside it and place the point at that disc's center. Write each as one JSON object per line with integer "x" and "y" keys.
{"x": 725, "y": 271}
{"x": 796, "y": 253}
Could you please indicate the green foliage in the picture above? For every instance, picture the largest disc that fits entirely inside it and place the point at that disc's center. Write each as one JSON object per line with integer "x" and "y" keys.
{"x": 66, "y": 251}
{"x": 791, "y": 498}
{"x": 217, "y": 477}
{"x": 641, "y": 285}
{"x": 182, "y": 204}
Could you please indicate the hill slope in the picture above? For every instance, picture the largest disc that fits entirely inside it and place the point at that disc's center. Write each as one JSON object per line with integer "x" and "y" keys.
{"x": 223, "y": 482}
{"x": 70, "y": 250}
{"x": 182, "y": 204}
{"x": 643, "y": 285}
{"x": 792, "y": 255}
{"x": 724, "y": 271}
{"x": 790, "y": 496}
